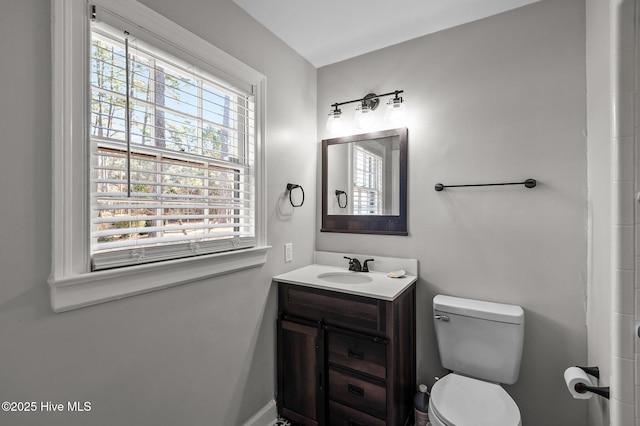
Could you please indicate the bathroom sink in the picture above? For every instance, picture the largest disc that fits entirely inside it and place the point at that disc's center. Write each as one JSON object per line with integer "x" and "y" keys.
{"x": 334, "y": 276}
{"x": 345, "y": 277}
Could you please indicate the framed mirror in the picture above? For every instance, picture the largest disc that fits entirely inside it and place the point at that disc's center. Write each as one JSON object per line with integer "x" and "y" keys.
{"x": 364, "y": 183}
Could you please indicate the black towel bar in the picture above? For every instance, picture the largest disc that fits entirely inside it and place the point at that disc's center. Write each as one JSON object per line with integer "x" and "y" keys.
{"x": 529, "y": 183}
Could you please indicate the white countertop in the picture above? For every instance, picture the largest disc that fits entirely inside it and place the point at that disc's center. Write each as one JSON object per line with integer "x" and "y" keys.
{"x": 380, "y": 287}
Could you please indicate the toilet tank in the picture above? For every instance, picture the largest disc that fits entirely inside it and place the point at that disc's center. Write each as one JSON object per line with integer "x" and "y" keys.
{"x": 479, "y": 339}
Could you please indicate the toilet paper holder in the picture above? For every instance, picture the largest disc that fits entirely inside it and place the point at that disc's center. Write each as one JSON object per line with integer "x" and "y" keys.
{"x": 582, "y": 388}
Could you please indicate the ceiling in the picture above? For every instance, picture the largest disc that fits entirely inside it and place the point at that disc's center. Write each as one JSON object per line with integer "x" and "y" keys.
{"x": 329, "y": 31}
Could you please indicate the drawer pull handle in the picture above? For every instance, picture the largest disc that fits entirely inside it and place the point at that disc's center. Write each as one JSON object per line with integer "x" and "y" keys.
{"x": 355, "y": 354}
{"x": 355, "y": 390}
{"x": 354, "y": 423}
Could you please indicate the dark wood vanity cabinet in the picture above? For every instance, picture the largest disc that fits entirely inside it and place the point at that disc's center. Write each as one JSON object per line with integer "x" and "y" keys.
{"x": 300, "y": 355}
{"x": 345, "y": 360}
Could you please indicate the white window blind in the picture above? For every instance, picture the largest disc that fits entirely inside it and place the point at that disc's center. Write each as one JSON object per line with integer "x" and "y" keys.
{"x": 172, "y": 156}
{"x": 367, "y": 182}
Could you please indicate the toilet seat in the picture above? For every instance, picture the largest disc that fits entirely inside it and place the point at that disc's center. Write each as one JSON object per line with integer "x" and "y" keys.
{"x": 463, "y": 401}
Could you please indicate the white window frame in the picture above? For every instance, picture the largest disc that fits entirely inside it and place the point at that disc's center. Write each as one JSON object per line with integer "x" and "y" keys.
{"x": 71, "y": 282}
{"x": 355, "y": 189}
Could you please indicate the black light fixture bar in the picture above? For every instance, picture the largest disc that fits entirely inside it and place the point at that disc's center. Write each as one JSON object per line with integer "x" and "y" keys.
{"x": 369, "y": 96}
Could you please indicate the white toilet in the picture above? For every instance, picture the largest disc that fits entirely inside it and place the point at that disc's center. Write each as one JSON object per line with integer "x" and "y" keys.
{"x": 481, "y": 342}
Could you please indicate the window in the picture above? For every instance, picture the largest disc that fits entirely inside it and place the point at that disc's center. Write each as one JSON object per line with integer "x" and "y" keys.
{"x": 367, "y": 182}
{"x": 171, "y": 162}
{"x": 158, "y": 162}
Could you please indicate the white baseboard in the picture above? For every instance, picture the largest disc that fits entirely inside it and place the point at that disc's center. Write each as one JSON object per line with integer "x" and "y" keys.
{"x": 265, "y": 417}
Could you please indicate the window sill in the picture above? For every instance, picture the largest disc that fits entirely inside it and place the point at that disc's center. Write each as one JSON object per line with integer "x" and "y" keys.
{"x": 91, "y": 288}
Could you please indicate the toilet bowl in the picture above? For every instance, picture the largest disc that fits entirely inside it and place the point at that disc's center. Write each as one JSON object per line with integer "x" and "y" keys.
{"x": 481, "y": 344}
{"x": 458, "y": 400}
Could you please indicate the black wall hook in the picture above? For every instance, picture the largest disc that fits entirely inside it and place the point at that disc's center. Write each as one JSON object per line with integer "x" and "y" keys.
{"x": 290, "y": 188}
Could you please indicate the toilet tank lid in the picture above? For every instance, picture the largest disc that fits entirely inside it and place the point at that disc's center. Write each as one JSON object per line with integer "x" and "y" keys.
{"x": 491, "y": 311}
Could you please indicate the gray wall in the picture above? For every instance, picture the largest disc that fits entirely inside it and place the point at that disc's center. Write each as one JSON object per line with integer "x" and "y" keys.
{"x": 500, "y": 99}
{"x": 196, "y": 354}
{"x": 599, "y": 183}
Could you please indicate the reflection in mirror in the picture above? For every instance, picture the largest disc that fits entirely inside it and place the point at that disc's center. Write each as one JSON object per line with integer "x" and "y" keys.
{"x": 364, "y": 181}
{"x": 363, "y": 177}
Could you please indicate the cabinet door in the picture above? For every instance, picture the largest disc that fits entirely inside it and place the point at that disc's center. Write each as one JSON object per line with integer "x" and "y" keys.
{"x": 300, "y": 378}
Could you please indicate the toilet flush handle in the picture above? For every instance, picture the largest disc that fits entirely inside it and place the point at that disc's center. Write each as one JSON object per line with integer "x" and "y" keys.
{"x": 444, "y": 318}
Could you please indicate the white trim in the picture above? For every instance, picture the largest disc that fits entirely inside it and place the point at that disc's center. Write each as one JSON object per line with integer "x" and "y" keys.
{"x": 140, "y": 19}
{"x": 70, "y": 72}
{"x": 98, "y": 287}
{"x": 260, "y": 103}
{"x": 72, "y": 284}
{"x": 265, "y": 417}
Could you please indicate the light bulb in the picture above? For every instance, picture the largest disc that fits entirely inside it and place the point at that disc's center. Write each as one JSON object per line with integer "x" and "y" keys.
{"x": 335, "y": 123}
{"x": 396, "y": 112}
{"x": 364, "y": 117}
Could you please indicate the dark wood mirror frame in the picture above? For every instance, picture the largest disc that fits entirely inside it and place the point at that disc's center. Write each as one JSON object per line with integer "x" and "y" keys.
{"x": 365, "y": 224}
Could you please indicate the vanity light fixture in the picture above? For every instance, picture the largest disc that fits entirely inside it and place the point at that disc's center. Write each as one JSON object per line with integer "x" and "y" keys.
{"x": 364, "y": 118}
{"x": 395, "y": 113}
{"x": 335, "y": 123}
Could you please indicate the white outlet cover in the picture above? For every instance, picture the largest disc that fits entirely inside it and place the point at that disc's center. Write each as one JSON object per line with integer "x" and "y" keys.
{"x": 288, "y": 252}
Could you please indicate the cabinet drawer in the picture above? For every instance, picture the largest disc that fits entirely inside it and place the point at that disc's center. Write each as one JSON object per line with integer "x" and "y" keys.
{"x": 333, "y": 308}
{"x": 361, "y": 354}
{"x": 360, "y": 394}
{"x": 340, "y": 415}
